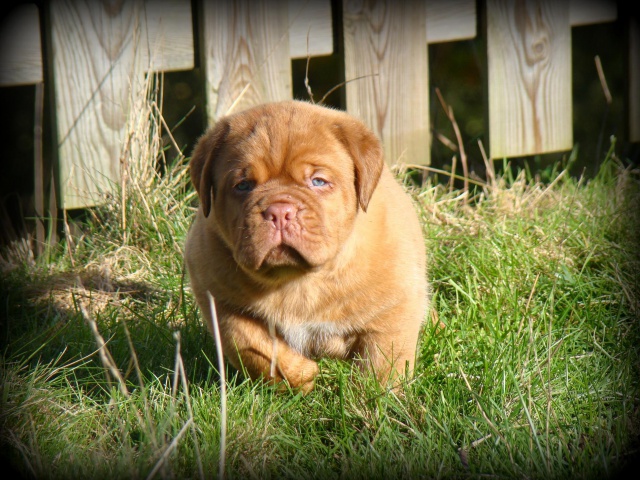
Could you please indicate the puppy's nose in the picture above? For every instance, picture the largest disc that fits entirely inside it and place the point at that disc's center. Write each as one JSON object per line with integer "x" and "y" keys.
{"x": 280, "y": 214}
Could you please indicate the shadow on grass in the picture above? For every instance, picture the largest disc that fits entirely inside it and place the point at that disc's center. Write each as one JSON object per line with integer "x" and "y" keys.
{"x": 45, "y": 318}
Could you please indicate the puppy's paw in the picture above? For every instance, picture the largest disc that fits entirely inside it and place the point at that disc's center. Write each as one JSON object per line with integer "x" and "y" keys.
{"x": 300, "y": 373}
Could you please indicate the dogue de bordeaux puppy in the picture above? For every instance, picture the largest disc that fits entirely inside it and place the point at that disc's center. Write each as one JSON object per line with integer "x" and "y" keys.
{"x": 308, "y": 244}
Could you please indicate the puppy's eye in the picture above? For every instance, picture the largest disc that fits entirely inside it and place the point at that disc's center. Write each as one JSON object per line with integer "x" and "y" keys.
{"x": 245, "y": 186}
{"x": 318, "y": 182}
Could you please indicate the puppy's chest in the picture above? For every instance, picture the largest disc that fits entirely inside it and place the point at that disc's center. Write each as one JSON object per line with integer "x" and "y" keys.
{"x": 315, "y": 325}
{"x": 319, "y": 339}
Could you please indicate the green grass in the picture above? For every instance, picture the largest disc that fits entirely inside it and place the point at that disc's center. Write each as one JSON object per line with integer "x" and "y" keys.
{"x": 533, "y": 372}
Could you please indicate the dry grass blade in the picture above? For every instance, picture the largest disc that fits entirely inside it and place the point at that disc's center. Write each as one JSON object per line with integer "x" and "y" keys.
{"x": 103, "y": 351}
{"x": 454, "y": 164}
{"x": 136, "y": 363}
{"x": 526, "y": 308}
{"x": 548, "y": 189}
{"x": 463, "y": 453}
{"x": 180, "y": 372}
{"x": 603, "y": 80}
{"x": 463, "y": 155}
{"x": 235, "y": 102}
{"x": 446, "y": 142}
{"x": 274, "y": 349}
{"x": 169, "y": 450}
{"x": 444, "y": 172}
{"x": 490, "y": 169}
{"x": 223, "y": 387}
{"x": 486, "y": 418}
{"x": 342, "y": 84}
{"x": 167, "y": 129}
{"x": 306, "y": 73}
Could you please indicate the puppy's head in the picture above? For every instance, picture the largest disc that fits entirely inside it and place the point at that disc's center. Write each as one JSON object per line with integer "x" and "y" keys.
{"x": 282, "y": 184}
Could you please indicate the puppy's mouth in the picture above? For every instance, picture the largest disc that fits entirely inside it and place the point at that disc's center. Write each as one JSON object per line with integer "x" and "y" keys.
{"x": 285, "y": 257}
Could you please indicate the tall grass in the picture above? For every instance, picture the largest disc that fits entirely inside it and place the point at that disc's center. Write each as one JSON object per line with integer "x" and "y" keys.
{"x": 528, "y": 364}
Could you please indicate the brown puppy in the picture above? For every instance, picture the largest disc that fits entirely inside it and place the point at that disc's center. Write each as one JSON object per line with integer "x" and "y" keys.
{"x": 307, "y": 243}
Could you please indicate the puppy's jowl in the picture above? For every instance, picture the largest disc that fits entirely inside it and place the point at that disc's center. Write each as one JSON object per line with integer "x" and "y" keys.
{"x": 307, "y": 243}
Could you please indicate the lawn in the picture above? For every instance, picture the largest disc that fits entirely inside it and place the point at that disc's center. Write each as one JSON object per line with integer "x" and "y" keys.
{"x": 528, "y": 361}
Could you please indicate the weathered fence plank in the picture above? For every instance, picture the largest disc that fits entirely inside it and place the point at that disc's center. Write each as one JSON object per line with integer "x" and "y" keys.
{"x": 100, "y": 55}
{"x": 170, "y": 35}
{"x": 529, "y": 77}
{"x": 246, "y": 54}
{"x": 310, "y": 18}
{"x": 20, "y": 52}
{"x": 97, "y": 63}
{"x": 384, "y": 43}
{"x": 449, "y": 20}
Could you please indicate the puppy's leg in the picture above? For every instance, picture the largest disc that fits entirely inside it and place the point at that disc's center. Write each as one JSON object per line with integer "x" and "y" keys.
{"x": 248, "y": 345}
{"x": 389, "y": 354}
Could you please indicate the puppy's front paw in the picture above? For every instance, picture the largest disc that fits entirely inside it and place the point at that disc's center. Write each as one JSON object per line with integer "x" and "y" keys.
{"x": 299, "y": 372}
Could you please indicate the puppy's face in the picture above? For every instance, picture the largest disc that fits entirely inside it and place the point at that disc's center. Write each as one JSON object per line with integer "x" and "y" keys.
{"x": 282, "y": 184}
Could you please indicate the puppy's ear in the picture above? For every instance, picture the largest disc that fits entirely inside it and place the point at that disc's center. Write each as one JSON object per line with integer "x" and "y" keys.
{"x": 367, "y": 153}
{"x": 202, "y": 162}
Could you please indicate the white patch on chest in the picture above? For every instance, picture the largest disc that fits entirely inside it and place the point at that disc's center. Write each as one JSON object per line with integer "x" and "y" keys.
{"x": 312, "y": 339}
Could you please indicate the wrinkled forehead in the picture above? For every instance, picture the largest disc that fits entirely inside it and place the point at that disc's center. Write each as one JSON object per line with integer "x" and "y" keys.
{"x": 285, "y": 139}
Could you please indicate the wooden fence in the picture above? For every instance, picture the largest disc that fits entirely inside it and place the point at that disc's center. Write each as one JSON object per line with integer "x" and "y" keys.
{"x": 97, "y": 52}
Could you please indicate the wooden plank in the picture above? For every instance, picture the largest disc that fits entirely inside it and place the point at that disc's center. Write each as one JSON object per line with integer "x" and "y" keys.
{"x": 634, "y": 80}
{"x": 170, "y": 28}
{"x": 20, "y": 54}
{"x": 97, "y": 68}
{"x": 586, "y": 12}
{"x": 450, "y": 20}
{"x": 384, "y": 43}
{"x": 100, "y": 56}
{"x": 246, "y": 54}
{"x": 310, "y": 18}
{"x": 529, "y": 77}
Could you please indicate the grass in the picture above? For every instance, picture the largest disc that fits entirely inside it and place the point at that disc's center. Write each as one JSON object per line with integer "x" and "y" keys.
{"x": 529, "y": 369}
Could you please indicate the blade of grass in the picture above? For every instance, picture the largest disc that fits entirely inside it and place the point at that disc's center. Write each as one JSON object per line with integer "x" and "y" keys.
{"x": 223, "y": 387}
